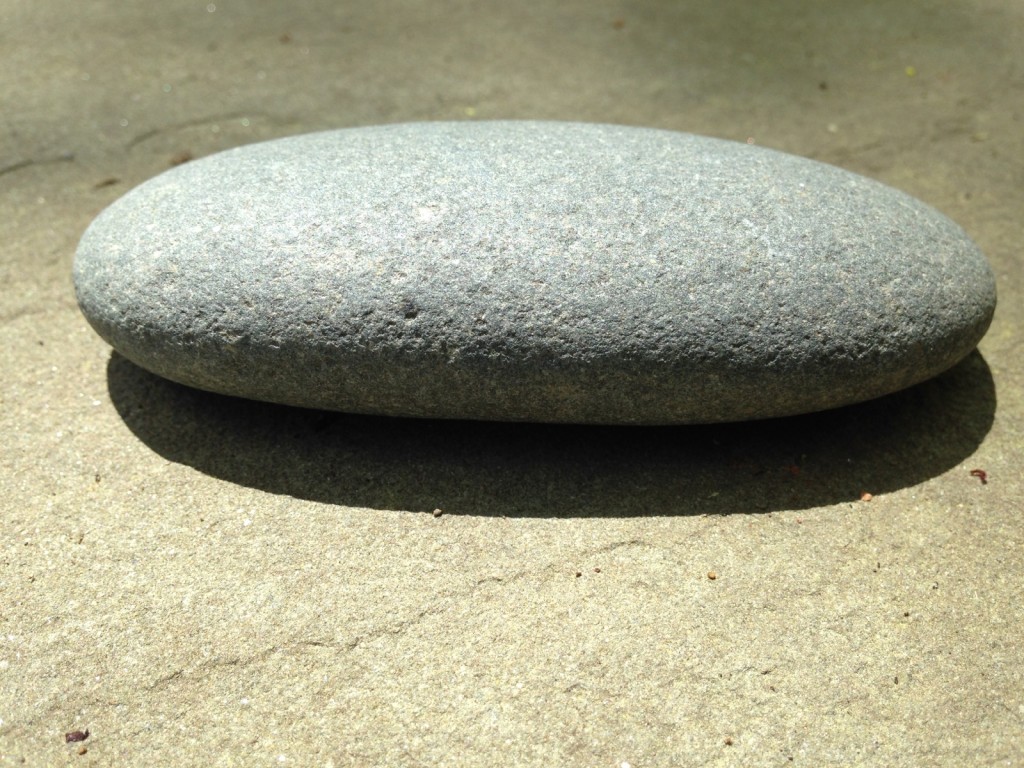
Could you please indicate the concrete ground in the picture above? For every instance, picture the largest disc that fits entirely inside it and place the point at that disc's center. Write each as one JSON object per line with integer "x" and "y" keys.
{"x": 197, "y": 580}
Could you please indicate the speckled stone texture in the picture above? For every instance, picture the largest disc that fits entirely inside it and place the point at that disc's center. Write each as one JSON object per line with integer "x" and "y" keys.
{"x": 553, "y": 272}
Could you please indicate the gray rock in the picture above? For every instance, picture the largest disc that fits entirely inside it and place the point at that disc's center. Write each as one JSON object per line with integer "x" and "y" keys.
{"x": 537, "y": 271}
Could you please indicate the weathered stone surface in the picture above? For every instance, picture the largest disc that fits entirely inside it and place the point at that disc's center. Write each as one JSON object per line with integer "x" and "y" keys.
{"x": 532, "y": 271}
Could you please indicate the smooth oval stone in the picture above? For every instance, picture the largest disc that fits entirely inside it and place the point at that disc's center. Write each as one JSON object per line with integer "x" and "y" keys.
{"x": 552, "y": 272}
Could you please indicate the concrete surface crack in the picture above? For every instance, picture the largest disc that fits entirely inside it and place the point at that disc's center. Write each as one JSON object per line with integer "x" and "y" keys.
{"x": 211, "y": 664}
{"x": 147, "y": 135}
{"x": 394, "y": 629}
{"x": 503, "y": 580}
{"x": 617, "y": 545}
{"x": 163, "y": 682}
{"x": 343, "y": 646}
{"x": 67, "y": 157}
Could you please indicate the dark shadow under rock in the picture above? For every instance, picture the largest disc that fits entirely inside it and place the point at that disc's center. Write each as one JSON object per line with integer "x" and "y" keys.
{"x": 486, "y": 468}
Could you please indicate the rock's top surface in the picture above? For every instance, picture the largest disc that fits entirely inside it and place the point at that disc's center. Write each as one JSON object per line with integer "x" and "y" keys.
{"x": 532, "y": 271}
